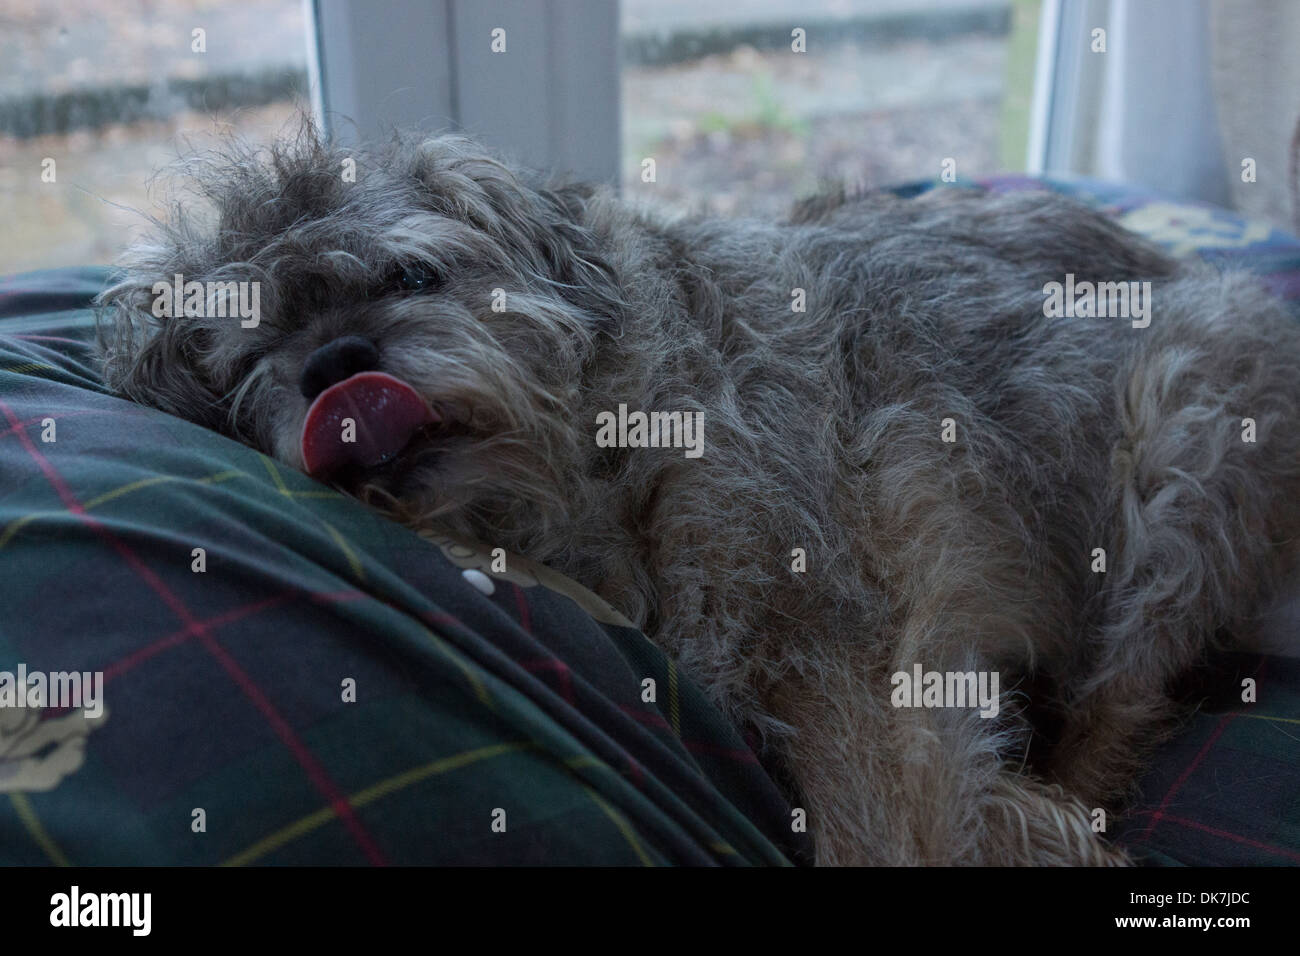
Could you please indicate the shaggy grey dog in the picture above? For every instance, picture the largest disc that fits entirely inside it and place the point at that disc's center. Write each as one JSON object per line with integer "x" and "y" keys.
{"x": 915, "y": 469}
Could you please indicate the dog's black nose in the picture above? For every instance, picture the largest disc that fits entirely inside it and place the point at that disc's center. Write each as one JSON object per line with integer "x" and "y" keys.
{"x": 340, "y": 359}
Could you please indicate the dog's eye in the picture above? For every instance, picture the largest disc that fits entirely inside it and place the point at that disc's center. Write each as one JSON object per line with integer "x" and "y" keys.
{"x": 416, "y": 278}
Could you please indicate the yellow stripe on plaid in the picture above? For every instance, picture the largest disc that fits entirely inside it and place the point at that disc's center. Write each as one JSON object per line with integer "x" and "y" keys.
{"x": 17, "y": 524}
{"x": 623, "y": 826}
{"x": 674, "y": 704}
{"x": 353, "y": 561}
{"x": 275, "y": 476}
{"x": 480, "y": 689}
{"x": 27, "y": 813}
{"x": 358, "y": 571}
{"x": 159, "y": 479}
{"x": 401, "y": 781}
{"x": 13, "y": 527}
{"x": 1280, "y": 720}
{"x": 577, "y": 762}
{"x": 588, "y": 760}
{"x": 29, "y": 367}
{"x": 289, "y": 492}
{"x": 369, "y": 795}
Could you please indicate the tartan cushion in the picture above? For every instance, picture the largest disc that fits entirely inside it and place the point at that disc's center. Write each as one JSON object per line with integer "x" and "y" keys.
{"x": 224, "y": 688}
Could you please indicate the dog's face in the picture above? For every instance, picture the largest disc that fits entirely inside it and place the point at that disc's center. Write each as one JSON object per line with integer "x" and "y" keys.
{"x": 423, "y": 321}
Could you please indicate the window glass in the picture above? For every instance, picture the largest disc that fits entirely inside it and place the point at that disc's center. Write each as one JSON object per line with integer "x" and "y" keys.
{"x": 738, "y": 121}
{"x": 94, "y": 97}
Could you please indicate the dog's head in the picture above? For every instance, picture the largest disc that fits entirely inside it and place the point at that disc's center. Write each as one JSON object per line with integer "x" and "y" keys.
{"x": 411, "y": 324}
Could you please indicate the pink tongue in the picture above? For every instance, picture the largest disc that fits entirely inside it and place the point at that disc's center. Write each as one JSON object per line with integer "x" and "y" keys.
{"x": 385, "y": 413}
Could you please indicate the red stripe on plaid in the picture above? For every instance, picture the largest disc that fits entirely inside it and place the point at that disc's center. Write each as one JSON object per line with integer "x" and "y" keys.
{"x": 121, "y": 666}
{"x": 635, "y": 773}
{"x": 306, "y": 759}
{"x": 438, "y": 619}
{"x": 1177, "y": 785}
{"x": 335, "y": 597}
{"x": 1225, "y": 834}
{"x": 560, "y": 668}
{"x": 525, "y": 616}
{"x": 655, "y": 719}
{"x": 1196, "y": 761}
{"x": 652, "y": 718}
{"x": 176, "y": 638}
{"x": 713, "y": 750}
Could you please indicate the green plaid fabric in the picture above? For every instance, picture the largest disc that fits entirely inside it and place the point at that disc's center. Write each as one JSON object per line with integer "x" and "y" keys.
{"x": 1226, "y": 791}
{"x": 502, "y": 729}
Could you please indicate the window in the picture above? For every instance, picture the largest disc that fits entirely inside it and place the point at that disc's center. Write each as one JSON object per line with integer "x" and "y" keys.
{"x": 95, "y": 97}
{"x": 738, "y": 121}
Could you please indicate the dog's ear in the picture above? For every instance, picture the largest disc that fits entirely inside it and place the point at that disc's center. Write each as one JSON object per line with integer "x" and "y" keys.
{"x": 152, "y": 360}
{"x": 545, "y": 227}
{"x": 574, "y": 252}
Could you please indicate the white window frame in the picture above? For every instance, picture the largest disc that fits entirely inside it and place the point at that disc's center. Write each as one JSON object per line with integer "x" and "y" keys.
{"x": 1142, "y": 112}
{"x": 551, "y": 100}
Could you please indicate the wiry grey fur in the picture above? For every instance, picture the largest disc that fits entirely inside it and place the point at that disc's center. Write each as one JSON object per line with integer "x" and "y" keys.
{"x": 822, "y": 432}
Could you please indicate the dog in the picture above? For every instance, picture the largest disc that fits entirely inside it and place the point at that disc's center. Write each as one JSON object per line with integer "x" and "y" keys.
{"x": 908, "y": 465}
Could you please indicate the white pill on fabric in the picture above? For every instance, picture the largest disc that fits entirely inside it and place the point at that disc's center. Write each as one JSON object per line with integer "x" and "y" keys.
{"x": 480, "y": 580}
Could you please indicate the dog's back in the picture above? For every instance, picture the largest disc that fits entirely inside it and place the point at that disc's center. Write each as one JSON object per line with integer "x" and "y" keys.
{"x": 978, "y": 483}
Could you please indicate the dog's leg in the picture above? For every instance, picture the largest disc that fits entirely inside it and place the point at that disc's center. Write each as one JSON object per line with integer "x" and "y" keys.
{"x": 916, "y": 786}
{"x": 1206, "y": 504}
{"x": 907, "y": 784}
{"x": 1038, "y": 824}
{"x": 933, "y": 793}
